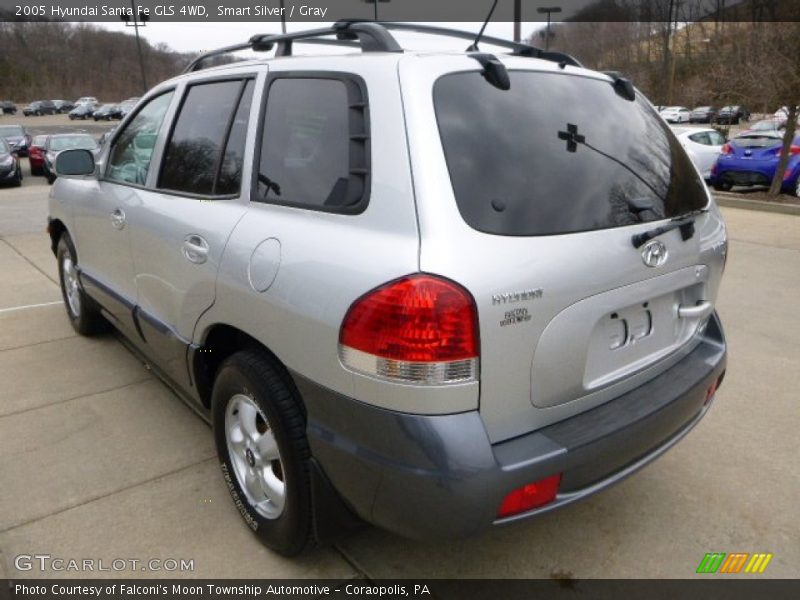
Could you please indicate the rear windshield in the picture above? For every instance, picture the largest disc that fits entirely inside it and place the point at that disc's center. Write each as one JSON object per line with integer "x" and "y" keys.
{"x": 9, "y": 130}
{"x": 756, "y": 141}
{"x": 559, "y": 154}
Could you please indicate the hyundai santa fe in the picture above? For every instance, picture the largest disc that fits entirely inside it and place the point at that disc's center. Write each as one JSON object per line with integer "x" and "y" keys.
{"x": 436, "y": 292}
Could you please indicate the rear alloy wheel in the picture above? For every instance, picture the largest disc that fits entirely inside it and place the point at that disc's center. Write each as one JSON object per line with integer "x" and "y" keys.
{"x": 259, "y": 432}
{"x": 83, "y": 313}
{"x": 723, "y": 186}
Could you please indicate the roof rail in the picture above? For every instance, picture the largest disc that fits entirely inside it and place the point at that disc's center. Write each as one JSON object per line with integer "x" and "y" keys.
{"x": 369, "y": 36}
{"x": 517, "y": 48}
{"x": 372, "y": 36}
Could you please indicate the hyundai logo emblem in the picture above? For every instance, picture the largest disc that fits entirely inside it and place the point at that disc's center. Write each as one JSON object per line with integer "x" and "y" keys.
{"x": 654, "y": 254}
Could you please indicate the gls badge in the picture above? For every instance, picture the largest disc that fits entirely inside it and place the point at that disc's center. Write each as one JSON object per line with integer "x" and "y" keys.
{"x": 654, "y": 254}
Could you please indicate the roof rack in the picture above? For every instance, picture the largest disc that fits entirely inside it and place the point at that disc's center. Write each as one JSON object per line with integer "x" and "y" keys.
{"x": 371, "y": 36}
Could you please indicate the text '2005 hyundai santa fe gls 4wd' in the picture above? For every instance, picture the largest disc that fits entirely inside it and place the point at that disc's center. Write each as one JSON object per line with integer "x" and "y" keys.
{"x": 433, "y": 292}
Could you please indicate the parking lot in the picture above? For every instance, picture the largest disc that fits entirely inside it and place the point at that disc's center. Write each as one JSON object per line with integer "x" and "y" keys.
{"x": 102, "y": 461}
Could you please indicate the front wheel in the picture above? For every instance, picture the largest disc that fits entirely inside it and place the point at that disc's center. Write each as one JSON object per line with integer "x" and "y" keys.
{"x": 259, "y": 431}
{"x": 84, "y": 316}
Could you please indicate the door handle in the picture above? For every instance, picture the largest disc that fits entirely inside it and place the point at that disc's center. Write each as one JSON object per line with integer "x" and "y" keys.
{"x": 195, "y": 249}
{"x": 118, "y": 218}
{"x": 699, "y": 311}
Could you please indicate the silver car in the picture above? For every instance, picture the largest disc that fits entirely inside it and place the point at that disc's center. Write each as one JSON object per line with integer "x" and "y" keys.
{"x": 435, "y": 292}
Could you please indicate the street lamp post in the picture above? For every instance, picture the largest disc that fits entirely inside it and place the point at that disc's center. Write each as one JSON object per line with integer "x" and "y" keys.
{"x": 136, "y": 24}
{"x": 375, "y": 2}
{"x": 549, "y": 10}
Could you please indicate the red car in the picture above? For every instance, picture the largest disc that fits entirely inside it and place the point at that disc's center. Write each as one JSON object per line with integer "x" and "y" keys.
{"x": 36, "y": 154}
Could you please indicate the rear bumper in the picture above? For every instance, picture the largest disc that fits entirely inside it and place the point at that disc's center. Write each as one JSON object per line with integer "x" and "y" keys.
{"x": 434, "y": 477}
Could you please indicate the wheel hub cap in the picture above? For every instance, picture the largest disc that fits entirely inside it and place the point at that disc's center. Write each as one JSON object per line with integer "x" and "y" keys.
{"x": 254, "y": 455}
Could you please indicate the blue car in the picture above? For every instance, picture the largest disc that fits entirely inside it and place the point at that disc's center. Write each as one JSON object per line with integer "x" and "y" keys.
{"x": 752, "y": 158}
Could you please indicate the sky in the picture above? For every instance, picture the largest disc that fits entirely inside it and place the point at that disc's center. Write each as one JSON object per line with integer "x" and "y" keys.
{"x": 197, "y": 37}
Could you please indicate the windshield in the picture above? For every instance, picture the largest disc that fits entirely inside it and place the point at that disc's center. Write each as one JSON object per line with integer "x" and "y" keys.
{"x": 756, "y": 141}
{"x": 558, "y": 154}
{"x": 764, "y": 126}
{"x": 76, "y": 141}
{"x": 11, "y": 130}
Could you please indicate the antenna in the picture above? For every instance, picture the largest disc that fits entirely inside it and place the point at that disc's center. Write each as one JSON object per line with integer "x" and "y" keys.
{"x": 474, "y": 46}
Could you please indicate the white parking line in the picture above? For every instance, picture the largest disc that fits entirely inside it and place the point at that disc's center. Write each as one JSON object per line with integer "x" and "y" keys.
{"x": 15, "y": 308}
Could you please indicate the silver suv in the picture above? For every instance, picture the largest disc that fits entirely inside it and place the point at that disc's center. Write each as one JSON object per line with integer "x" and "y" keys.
{"x": 436, "y": 292}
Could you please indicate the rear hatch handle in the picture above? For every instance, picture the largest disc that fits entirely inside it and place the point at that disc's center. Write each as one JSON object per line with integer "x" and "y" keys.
{"x": 699, "y": 311}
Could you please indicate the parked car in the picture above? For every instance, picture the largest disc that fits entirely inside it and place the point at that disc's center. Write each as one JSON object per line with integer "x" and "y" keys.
{"x": 63, "y": 106}
{"x": 36, "y": 154}
{"x": 774, "y": 125}
{"x": 703, "y": 114}
{"x": 107, "y": 112}
{"x": 64, "y": 141}
{"x": 86, "y": 100}
{"x": 39, "y": 108}
{"x": 82, "y": 111}
{"x": 8, "y": 108}
{"x": 702, "y": 145}
{"x": 404, "y": 311}
{"x": 732, "y": 115}
{"x": 126, "y": 107}
{"x": 676, "y": 114}
{"x": 10, "y": 169}
{"x": 752, "y": 159}
{"x": 17, "y": 137}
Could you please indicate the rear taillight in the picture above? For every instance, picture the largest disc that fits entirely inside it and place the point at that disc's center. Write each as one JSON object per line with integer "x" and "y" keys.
{"x": 530, "y": 496}
{"x": 793, "y": 150}
{"x": 418, "y": 329}
{"x": 726, "y": 149}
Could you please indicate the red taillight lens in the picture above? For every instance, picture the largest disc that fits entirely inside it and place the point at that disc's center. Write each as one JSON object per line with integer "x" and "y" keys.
{"x": 530, "y": 496}
{"x": 419, "y": 328}
{"x": 726, "y": 149}
{"x": 36, "y": 152}
{"x": 793, "y": 150}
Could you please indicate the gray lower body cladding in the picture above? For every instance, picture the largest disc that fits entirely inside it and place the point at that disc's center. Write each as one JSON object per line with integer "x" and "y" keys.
{"x": 438, "y": 477}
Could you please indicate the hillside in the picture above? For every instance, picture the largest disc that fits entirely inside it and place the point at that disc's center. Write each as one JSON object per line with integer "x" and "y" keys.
{"x": 64, "y": 60}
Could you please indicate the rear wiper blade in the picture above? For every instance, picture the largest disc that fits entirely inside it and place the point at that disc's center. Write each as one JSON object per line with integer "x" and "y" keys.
{"x": 684, "y": 222}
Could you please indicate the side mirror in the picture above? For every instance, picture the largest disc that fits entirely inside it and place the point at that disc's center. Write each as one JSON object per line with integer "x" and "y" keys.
{"x": 74, "y": 163}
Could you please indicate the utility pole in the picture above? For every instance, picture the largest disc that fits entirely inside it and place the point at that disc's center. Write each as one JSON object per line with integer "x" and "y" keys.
{"x": 375, "y": 2}
{"x": 549, "y": 10}
{"x": 135, "y": 24}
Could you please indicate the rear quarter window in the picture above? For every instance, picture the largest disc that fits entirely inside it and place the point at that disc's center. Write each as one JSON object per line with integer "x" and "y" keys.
{"x": 557, "y": 154}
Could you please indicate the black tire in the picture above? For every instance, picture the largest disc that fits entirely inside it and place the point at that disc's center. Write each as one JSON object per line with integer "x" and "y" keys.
{"x": 251, "y": 375}
{"x": 50, "y": 178}
{"x": 87, "y": 320}
{"x": 18, "y": 180}
{"x": 723, "y": 186}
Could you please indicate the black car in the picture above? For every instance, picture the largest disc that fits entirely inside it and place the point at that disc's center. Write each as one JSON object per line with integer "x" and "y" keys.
{"x": 107, "y": 112}
{"x": 730, "y": 115}
{"x": 7, "y": 107}
{"x": 703, "y": 114}
{"x": 39, "y": 108}
{"x": 82, "y": 111}
{"x": 10, "y": 169}
{"x": 63, "y": 106}
{"x": 17, "y": 138}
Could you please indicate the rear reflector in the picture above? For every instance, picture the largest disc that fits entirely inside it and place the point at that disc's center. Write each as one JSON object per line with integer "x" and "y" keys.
{"x": 530, "y": 496}
{"x": 417, "y": 329}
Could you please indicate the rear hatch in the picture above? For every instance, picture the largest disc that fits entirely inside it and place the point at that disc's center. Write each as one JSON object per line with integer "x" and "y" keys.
{"x": 751, "y": 158}
{"x": 530, "y": 198}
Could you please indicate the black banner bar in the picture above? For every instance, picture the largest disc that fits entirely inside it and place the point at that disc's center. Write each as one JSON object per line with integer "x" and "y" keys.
{"x": 398, "y": 10}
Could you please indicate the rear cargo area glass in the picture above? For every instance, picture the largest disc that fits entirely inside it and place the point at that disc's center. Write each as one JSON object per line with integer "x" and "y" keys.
{"x": 559, "y": 153}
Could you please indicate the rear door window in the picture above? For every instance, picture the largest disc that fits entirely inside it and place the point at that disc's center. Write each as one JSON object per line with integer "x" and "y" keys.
{"x": 194, "y": 157}
{"x": 558, "y": 154}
